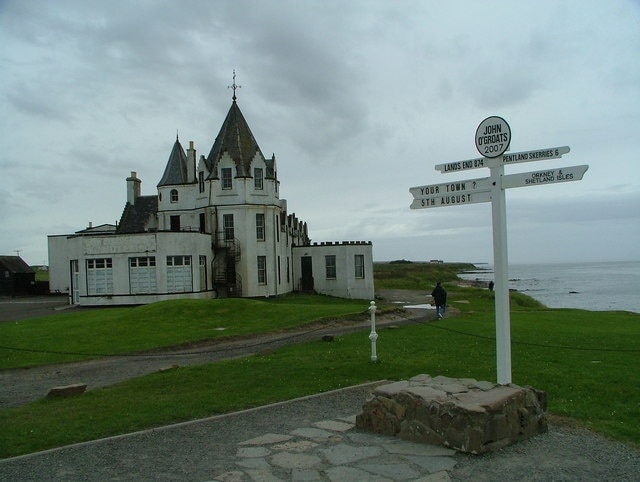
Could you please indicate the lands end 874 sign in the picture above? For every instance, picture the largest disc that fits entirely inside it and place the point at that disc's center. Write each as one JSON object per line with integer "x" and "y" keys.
{"x": 493, "y": 137}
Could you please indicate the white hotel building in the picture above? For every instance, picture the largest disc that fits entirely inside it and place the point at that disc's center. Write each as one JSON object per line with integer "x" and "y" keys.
{"x": 216, "y": 228}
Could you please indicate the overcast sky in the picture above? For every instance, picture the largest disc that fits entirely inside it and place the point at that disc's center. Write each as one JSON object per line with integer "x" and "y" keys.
{"x": 359, "y": 100}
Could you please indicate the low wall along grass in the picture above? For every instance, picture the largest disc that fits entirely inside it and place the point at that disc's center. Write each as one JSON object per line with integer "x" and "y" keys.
{"x": 585, "y": 361}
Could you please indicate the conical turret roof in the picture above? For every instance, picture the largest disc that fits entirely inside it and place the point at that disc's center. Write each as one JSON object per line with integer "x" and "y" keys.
{"x": 176, "y": 171}
{"x": 236, "y": 139}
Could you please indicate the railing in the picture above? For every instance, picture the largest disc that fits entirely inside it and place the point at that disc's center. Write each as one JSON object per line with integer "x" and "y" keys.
{"x": 229, "y": 279}
{"x": 224, "y": 267}
{"x": 231, "y": 245}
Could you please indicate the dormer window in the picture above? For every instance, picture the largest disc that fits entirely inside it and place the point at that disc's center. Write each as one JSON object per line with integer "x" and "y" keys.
{"x": 174, "y": 195}
{"x": 226, "y": 178}
{"x": 258, "y": 178}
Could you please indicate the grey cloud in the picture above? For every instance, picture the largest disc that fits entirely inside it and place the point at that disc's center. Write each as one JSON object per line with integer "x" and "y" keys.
{"x": 34, "y": 102}
{"x": 357, "y": 99}
{"x": 584, "y": 208}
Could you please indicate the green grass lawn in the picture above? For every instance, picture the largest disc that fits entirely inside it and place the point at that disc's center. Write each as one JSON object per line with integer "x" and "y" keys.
{"x": 416, "y": 276}
{"x": 585, "y": 361}
{"x": 78, "y": 335}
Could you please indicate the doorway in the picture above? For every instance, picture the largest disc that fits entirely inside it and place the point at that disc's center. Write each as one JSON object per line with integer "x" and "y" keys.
{"x": 306, "y": 283}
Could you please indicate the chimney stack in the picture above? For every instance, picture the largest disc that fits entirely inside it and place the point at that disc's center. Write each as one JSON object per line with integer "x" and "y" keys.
{"x": 133, "y": 188}
{"x": 191, "y": 163}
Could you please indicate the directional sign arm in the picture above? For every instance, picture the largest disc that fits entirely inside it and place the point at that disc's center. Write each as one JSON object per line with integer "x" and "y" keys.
{"x": 547, "y": 176}
{"x": 455, "y": 166}
{"x": 537, "y": 155}
{"x": 506, "y": 158}
{"x": 451, "y": 200}
{"x": 467, "y": 186}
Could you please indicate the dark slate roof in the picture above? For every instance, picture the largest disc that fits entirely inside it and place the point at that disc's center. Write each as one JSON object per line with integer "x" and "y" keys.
{"x": 176, "y": 171}
{"x": 101, "y": 229}
{"x": 236, "y": 138}
{"x": 135, "y": 216}
{"x": 15, "y": 264}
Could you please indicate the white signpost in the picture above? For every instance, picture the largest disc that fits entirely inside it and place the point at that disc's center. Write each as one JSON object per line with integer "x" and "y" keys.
{"x": 493, "y": 137}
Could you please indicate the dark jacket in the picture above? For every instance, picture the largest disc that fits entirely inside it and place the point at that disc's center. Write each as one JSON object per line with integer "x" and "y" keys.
{"x": 439, "y": 295}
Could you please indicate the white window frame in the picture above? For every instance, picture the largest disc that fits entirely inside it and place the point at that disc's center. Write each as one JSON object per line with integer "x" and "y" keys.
{"x": 75, "y": 281}
{"x": 260, "y": 227}
{"x": 142, "y": 275}
{"x": 179, "y": 274}
{"x": 258, "y": 178}
{"x": 99, "y": 276}
{"x": 330, "y": 266}
{"x": 203, "y": 272}
{"x": 358, "y": 263}
{"x": 228, "y": 227}
{"x": 262, "y": 270}
{"x": 227, "y": 178}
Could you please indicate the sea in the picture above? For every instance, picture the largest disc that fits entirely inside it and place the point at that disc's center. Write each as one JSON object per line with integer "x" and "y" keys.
{"x": 602, "y": 286}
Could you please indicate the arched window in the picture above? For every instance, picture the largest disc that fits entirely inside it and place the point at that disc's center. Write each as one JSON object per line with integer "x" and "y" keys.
{"x": 174, "y": 196}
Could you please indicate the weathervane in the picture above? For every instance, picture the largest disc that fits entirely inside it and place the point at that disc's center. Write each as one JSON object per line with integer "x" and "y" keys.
{"x": 234, "y": 86}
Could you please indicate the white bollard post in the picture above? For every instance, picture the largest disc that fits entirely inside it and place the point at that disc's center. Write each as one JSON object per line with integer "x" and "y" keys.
{"x": 373, "y": 336}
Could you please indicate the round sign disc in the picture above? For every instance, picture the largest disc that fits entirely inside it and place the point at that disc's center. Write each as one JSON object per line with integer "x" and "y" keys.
{"x": 493, "y": 137}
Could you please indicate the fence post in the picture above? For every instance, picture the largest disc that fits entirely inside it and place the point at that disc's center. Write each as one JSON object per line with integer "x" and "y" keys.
{"x": 373, "y": 336}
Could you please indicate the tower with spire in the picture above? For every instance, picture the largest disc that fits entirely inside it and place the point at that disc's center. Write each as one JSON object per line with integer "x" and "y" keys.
{"x": 215, "y": 228}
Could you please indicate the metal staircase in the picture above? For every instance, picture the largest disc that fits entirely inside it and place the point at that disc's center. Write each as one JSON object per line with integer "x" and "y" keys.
{"x": 227, "y": 256}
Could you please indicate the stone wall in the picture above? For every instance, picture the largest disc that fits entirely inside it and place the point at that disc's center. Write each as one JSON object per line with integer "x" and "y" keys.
{"x": 464, "y": 414}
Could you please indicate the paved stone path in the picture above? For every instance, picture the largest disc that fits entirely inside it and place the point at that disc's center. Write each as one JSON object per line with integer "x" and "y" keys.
{"x": 331, "y": 450}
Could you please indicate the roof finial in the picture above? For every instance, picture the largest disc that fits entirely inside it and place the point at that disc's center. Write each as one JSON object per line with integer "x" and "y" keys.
{"x": 176, "y": 135}
{"x": 234, "y": 86}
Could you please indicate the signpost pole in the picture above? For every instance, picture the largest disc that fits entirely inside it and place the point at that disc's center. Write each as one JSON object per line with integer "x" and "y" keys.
{"x": 500, "y": 268}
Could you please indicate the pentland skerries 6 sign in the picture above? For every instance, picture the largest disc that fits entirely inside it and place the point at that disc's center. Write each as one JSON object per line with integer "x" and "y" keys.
{"x": 493, "y": 137}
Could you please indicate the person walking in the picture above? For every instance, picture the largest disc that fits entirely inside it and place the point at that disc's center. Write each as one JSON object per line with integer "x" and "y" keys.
{"x": 439, "y": 295}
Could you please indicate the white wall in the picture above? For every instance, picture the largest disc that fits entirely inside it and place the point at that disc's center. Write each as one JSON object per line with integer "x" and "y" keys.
{"x": 345, "y": 285}
{"x": 63, "y": 249}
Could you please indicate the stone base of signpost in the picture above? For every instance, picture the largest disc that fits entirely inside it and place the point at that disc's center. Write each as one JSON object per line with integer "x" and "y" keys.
{"x": 464, "y": 414}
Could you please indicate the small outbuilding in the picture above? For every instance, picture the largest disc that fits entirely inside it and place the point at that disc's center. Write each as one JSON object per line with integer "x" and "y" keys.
{"x": 16, "y": 276}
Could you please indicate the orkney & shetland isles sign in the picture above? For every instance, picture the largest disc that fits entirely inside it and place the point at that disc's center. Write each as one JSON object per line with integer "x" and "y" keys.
{"x": 492, "y": 140}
